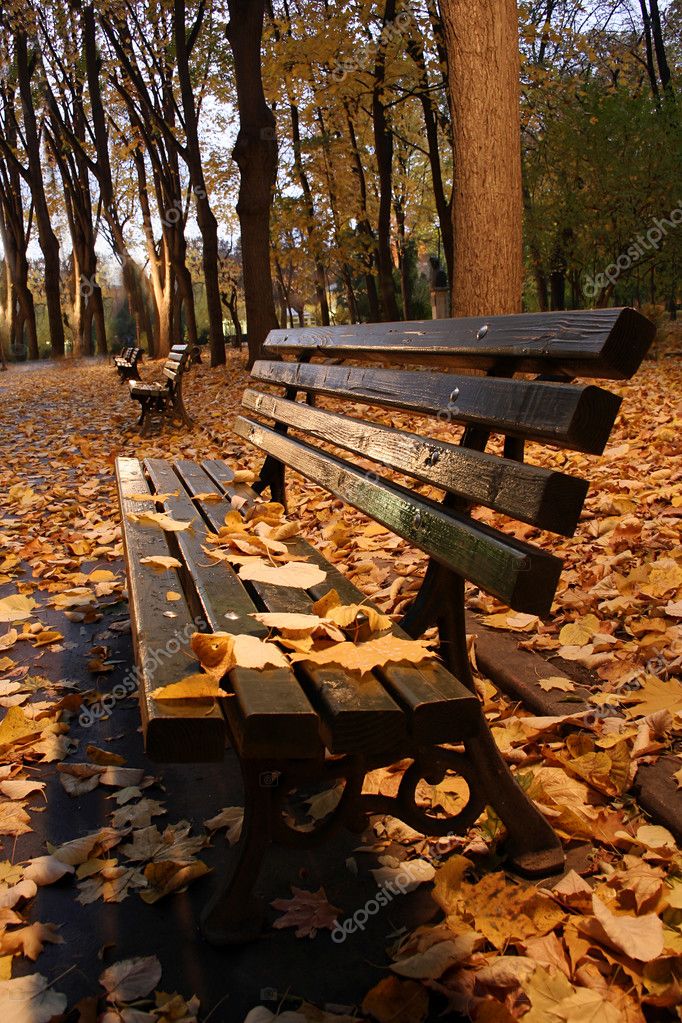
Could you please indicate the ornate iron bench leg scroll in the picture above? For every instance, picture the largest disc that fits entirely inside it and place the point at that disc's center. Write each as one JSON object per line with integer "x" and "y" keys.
{"x": 234, "y": 915}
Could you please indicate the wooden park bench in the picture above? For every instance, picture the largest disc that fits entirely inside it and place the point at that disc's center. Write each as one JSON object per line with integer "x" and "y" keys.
{"x": 127, "y": 363}
{"x": 292, "y": 727}
{"x": 163, "y": 400}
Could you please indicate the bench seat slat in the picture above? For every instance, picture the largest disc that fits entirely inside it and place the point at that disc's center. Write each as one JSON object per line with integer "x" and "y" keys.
{"x": 549, "y": 500}
{"x": 183, "y": 731}
{"x": 355, "y": 717}
{"x": 440, "y": 708}
{"x": 275, "y": 714}
{"x": 601, "y": 343}
{"x": 524, "y": 577}
{"x": 562, "y": 414}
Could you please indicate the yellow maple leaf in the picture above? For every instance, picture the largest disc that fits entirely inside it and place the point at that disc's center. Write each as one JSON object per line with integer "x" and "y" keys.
{"x": 655, "y": 694}
{"x": 161, "y": 563}
{"x": 297, "y": 573}
{"x": 193, "y": 687}
{"x": 16, "y": 608}
{"x": 373, "y": 653}
{"x": 158, "y": 520}
{"x": 556, "y": 682}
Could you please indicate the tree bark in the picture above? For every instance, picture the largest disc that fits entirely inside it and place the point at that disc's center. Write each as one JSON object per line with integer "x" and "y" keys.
{"x": 255, "y": 153}
{"x": 383, "y": 147}
{"x": 208, "y": 225}
{"x": 483, "y": 79}
{"x": 443, "y": 204}
{"x": 101, "y": 170}
{"x": 46, "y": 236}
{"x": 364, "y": 226}
{"x": 659, "y": 45}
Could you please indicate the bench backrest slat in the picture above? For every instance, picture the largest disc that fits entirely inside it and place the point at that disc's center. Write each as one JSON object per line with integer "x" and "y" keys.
{"x": 525, "y": 577}
{"x": 541, "y": 497}
{"x": 565, "y": 415}
{"x": 606, "y": 343}
{"x": 176, "y": 363}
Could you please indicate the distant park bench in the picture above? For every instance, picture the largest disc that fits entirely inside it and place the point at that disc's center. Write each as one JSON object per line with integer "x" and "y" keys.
{"x": 164, "y": 400}
{"x": 296, "y": 727}
{"x": 127, "y": 363}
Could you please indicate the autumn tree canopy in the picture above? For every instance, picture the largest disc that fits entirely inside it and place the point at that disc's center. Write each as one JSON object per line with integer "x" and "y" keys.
{"x": 313, "y": 156}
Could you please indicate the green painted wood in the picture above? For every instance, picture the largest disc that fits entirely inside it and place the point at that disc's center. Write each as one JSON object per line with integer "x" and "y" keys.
{"x": 549, "y": 500}
{"x": 563, "y": 415}
{"x": 524, "y": 577}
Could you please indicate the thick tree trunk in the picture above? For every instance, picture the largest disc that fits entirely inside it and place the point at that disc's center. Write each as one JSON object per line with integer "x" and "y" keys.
{"x": 206, "y": 220}
{"x": 46, "y": 236}
{"x": 255, "y": 153}
{"x": 483, "y": 79}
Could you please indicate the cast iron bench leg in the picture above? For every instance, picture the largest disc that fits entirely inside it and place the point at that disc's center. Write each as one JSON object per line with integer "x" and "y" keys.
{"x": 532, "y": 846}
{"x": 234, "y": 915}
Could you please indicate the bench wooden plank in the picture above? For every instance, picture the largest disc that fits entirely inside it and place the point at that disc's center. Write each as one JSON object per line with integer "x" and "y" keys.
{"x": 273, "y": 713}
{"x": 602, "y": 343}
{"x": 440, "y": 708}
{"x": 182, "y": 731}
{"x": 521, "y": 575}
{"x": 355, "y": 716}
{"x": 561, "y": 414}
{"x": 549, "y": 500}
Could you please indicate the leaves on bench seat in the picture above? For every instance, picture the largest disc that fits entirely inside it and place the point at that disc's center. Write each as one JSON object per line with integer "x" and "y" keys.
{"x": 374, "y": 653}
{"x": 296, "y": 573}
{"x": 161, "y": 563}
{"x": 158, "y": 520}
{"x": 193, "y": 687}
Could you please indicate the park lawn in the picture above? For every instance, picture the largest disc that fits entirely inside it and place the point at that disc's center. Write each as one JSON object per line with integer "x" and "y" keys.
{"x": 605, "y": 942}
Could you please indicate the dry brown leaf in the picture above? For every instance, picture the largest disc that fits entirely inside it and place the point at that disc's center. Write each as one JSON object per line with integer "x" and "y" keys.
{"x": 30, "y": 940}
{"x": 160, "y": 563}
{"x": 556, "y": 682}
{"x": 16, "y": 608}
{"x": 298, "y": 574}
{"x": 192, "y": 687}
{"x": 363, "y": 657}
{"x": 158, "y": 520}
{"x": 308, "y": 912}
{"x": 639, "y": 937}
{"x": 397, "y": 1001}
{"x": 131, "y": 978}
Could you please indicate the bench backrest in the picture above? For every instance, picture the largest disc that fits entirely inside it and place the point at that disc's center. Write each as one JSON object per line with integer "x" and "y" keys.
{"x": 606, "y": 343}
{"x": 175, "y": 365}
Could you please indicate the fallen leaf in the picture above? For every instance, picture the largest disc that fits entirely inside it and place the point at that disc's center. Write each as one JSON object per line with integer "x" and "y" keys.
{"x": 29, "y": 999}
{"x": 307, "y": 911}
{"x": 160, "y": 563}
{"x": 297, "y": 574}
{"x": 158, "y": 520}
{"x": 16, "y": 608}
{"x": 131, "y": 978}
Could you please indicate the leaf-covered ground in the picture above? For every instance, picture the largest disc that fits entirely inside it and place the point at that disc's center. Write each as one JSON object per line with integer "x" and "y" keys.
{"x": 100, "y": 845}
